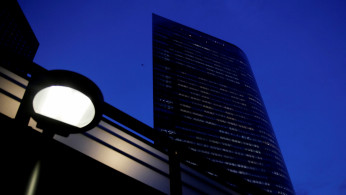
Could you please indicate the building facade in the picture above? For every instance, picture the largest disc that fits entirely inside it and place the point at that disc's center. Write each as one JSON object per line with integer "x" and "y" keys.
{"x": 206, "y": 97}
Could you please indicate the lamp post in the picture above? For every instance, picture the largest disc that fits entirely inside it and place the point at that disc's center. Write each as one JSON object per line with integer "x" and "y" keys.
{"x": 61, "y": 102}
{"x": 64, "y": 102}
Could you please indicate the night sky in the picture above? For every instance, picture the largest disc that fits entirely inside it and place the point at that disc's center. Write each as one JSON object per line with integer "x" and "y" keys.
{"x": 297, "y": 50}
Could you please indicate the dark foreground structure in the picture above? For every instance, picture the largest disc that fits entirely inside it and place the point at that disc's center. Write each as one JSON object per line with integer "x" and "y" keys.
{"x": 120, "y": 155}
{"x": 206, "y": 97}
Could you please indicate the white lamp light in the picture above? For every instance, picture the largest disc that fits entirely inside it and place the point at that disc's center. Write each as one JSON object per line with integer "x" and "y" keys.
{"x": 64, "y": 104}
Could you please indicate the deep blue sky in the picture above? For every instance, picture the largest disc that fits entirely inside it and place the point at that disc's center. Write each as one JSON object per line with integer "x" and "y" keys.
{"x": 297, "y": 50}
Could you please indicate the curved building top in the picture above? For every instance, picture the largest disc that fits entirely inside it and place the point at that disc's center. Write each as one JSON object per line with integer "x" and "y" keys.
{"x": 199, "y": 36}
{"x": 206, "y": 96}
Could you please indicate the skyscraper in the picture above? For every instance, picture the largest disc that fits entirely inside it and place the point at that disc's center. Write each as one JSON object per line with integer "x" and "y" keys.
{"x": 205, "y": 96}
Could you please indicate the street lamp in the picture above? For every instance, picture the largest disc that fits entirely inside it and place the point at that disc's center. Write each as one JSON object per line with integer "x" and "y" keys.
{"x": 64, "y": 102}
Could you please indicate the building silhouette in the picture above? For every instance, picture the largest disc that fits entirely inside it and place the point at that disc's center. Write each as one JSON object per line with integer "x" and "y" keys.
{"x": 18, "y": 43}
{"x": 206, "y": 97}
{"x": 16, "y": 35}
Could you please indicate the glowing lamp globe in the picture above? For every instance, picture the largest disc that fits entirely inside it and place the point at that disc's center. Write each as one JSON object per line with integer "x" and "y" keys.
{"x": 65, "y": 102}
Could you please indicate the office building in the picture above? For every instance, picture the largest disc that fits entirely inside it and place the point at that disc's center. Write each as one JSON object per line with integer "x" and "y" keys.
{"x": 206, "y": 97}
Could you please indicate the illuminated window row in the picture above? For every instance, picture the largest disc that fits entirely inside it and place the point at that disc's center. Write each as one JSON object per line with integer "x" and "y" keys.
{"x": 162, "y": 69}
{"x": 165, "y": 106}
{"x": 166, "y": 81}
{"x": 255, "y": 162}
{"x": 268, "y": 190}
{"x": 210, "y": 69}
{"x": 253, "y": 156}
{"x": 163, "y": 110}
{"x": 281, "y": 167}
{"x": 242, "y": 166}
{"x": 235, "y": 124}
{"x": 223, "y": 115}
{"x": 280, "y": 174}
{"x": 206, "y": 87}
{"x": 258, "y": 182}
{"x": 219, "y": 116}
{"x": 235, "y": 146}
{"x": 254, "y": 95}
{"x": 185, "y": 141}
{"x": 215, "y": 64}
{"x": 247, "y": 78}
{"x": 267, "y": 136}
{"x": 230, "y": 151}
{"x": 216, "y": 107}
{"x": 284, "y": 188}
{"x": 168, "y": 131}
{"x": 209, "y": 153}
{"x": 244, "y": 143}
{"x": 219, "y": 111}
{"x": 258, "y": 110}
{"x": 279, "y": 159}
{"x": 166, "y": 101}
{"x": 193, "y": 113}
{"x": 226, "y": 97}
{"x": 259, "y": 103}
{"x": 262, "y": 119}
{"x": 240, "y": 133}
{"x": 165, "y": 85}
{"x": 158, "y": 34}
{"x": 211, "y": 84}
{"x": 248, "y": 86}
{"x": 273, "y": 150}
{"x": 201, "y": 47}
{"x": 233, "y": 93}
{"x": 237, "y": 141}
{"x": 185, "y": 43}
{"x": 193, "y": 95}
{"x": 248, "y": 138}
{"x": 264, "y": 128}
{"x": 231, "y": 60}
{"x": 211, "y": 118}
{"x": 223, "y": 143}
{"x": 272, "y": 146}
{"x": 195, "y": 132}
{"x": 162, "y": 53}
{"x": 252, "y": 150}
{"x": 159, "y": 42}
{"x": 194, "y": 37}
{"x": 245, "y": 173}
